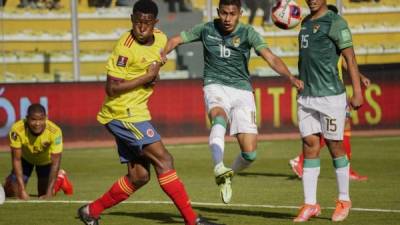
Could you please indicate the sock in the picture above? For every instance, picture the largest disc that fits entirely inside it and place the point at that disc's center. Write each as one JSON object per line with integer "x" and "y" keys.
{"x": 243, "y": 161}
{"x": 119, "y": 191}
{"x": 347, "y": 146}
{"x": 217, "y": 139}
{"x": 342, "y": 177}
{"x": 311, "y": 169}
{"x": 175, "y": 190}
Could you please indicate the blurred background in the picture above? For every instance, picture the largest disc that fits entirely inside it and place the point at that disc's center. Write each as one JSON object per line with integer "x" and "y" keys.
{"x": 54, "y": 52}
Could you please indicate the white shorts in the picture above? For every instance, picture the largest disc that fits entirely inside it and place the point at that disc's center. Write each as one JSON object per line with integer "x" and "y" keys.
{"x": 324, "y": 115}
{"x": 238, "y": 104}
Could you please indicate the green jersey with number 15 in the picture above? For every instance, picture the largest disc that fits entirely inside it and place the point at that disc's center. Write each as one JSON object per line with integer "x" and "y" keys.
{"x": 226, "y": 57}
{"x": 320, "y": 43}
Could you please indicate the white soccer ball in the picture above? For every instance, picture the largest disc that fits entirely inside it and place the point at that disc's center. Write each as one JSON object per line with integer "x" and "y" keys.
{"x": 286, "y": 14}
{"x": 2, "y": 195}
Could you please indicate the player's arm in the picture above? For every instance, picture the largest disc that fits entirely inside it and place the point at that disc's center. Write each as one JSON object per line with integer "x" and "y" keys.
{"x": 352, "y": 69}
{"x": 16, "y": 155}
{"x": 364, "y": 80}
{"x": 279, "y": 66}
{"x": 115, "y": 86}
{"x": 55, "y": 166}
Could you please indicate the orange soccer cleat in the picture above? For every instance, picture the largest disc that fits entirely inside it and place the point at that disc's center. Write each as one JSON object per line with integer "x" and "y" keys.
{"x": 66, "y": 184}
{"x": 307, "y": 211}
{"x": 342, "y": 210}
{"x": 297, "y": 167}
{"x": 357, "y": 177}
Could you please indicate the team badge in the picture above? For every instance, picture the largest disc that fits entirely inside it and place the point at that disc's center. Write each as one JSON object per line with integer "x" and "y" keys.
{"x": 150, "y": 133}
{"x": 122, "y": 61}
{"x": 315, "y": 28}
{"x": 236, "y": 41}
{"x": 46, "y": 144}
{"x": 14, "y": 136}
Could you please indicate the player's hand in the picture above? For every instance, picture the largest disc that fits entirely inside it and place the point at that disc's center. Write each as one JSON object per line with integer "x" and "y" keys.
{"x": 164, "y": 58}
{"x": 23, "y": 195}
{"x": 365, "y": 81}
{"x": 297, "y": 83}
{"x": 356, "y": 101}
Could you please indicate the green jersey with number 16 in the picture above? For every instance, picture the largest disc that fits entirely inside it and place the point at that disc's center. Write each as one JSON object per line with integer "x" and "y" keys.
{"x": 226, "y": 57}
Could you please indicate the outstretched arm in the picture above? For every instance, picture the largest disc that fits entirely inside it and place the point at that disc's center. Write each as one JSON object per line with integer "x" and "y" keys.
{"x": 279, "y": 66}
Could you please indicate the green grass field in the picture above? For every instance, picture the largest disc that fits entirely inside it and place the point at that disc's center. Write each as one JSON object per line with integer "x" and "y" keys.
{"x": 266, "y": 193}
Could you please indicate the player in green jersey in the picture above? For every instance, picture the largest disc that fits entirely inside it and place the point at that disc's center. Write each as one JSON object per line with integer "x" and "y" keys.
{"x": 227, "y": 88}
{"x": 323, "y": 37}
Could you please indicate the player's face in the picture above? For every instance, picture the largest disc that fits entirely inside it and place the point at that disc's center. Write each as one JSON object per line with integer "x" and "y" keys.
{"x": 36, "y": 122}
{"x": 229, "y": 16}
{"x": 143, "y": 26}
{"x": 315, "y": 5}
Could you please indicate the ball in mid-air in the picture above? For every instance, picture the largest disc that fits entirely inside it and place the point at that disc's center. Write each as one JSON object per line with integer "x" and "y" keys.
{"x": 286, "y": 14}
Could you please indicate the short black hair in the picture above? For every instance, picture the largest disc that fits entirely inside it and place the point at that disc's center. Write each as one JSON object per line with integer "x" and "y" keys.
{"x": 333, "y": 8}
{"x": 146, "y": 6}
{"x": 36, "y": 108}
{"x": 238, "y": 3}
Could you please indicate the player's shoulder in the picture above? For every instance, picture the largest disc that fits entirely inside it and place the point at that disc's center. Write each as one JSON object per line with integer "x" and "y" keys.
{"x": 18, "y": 127}
{"x": 126, "y": 39}
{"x": 52, "y": 127}
{"x": 159, "y": 35}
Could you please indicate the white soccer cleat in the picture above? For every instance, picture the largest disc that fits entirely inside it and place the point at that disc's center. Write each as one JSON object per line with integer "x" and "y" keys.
{"x": 223, "y": 178}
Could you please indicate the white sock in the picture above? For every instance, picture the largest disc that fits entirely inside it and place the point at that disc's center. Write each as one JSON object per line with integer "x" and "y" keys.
{"x": 342, "y": 179}
{"x": 217, "y": 143}
{"x": 310, "y": 181}
{"x": 240, "y": 163}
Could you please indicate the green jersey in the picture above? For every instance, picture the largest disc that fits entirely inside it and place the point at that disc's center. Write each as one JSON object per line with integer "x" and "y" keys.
{"x": 226, "y": 57}
{"x": 320, "y": 44}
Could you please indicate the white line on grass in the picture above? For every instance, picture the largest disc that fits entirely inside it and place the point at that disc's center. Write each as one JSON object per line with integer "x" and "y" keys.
{"x": 194, "y": 203}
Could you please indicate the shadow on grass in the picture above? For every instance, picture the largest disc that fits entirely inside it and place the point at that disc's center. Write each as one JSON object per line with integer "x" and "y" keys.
{"x": 160, "y": 218}
{"x": 254, "y": 174}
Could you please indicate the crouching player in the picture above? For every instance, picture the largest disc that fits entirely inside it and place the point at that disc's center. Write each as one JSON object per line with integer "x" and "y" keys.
{"x": 36, "y": 142}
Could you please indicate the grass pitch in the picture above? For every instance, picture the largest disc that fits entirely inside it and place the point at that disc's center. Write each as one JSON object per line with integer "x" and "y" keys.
{"x": 267, "y": 193}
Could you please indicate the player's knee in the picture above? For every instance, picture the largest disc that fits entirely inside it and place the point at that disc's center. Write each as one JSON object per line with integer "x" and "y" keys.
{"x": 249, "y": 156}
{"x": 218, "y": 120}
{"x": 139, "y": 180}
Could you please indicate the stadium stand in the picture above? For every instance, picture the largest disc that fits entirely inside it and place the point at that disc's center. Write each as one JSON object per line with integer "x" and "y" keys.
{"x": 35, "y": 45}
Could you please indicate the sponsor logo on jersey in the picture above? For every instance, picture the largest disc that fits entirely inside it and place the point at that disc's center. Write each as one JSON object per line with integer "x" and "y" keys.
{"x": 122, "y": 61}
{"x": 315, "y": 28}
{"x": 150, "y": 133}
{"x": 236, "y": 41}
{"x": 14, "y": 135}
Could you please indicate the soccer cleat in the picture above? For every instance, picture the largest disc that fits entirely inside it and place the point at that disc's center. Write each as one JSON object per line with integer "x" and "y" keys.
{"x": 224, "y": 181}
{"x": 356, "y": 177}
{"x": 341, "y": 211}
{"x": 202, "y": 221}
{"x": 297, "y": 167}
{"x": 66, "y": 185}
{"x": 83, "y": 213}
{"x": 307, "y": 211}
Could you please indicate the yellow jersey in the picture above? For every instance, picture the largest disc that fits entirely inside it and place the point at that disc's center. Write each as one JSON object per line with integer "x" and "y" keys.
{"x": 128, "y": 61}
{"x": 36, "y": 149}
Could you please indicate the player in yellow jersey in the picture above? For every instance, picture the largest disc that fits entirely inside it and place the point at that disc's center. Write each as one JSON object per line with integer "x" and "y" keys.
{"x": 132, "y": 70}
{"x": 36, "y": 142}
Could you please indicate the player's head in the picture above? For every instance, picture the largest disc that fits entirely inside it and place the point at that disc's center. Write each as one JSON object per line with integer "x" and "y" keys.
{"x": 36, "y": 118}
{"x": 144, "y": 18}
{"x": 333, "y": 8}
{"x": 316, "y": 5}
{"x": 229, "y": 12}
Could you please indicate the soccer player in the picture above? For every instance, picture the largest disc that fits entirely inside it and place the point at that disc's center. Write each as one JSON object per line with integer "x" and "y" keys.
{"x": 323, "y": 37}
{"x": 36, "y": 142}
{"x": 227, "y": 88}
{"x": 132, "y": 70}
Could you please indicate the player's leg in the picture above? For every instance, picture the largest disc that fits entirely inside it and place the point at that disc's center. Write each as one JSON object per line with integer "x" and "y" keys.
{"x": 333, "y": 122}
{"x": 310, "y": 129}
{"x": 64, "y": 183}
{"x": 216, "y": 141}
{"x": 297, "y": 163}
{"x": 11, "y": 185}
{"x": 42, "y": 173}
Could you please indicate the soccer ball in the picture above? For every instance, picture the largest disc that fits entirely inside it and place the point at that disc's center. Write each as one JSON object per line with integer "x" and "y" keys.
{"x": 286, "y": 14}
